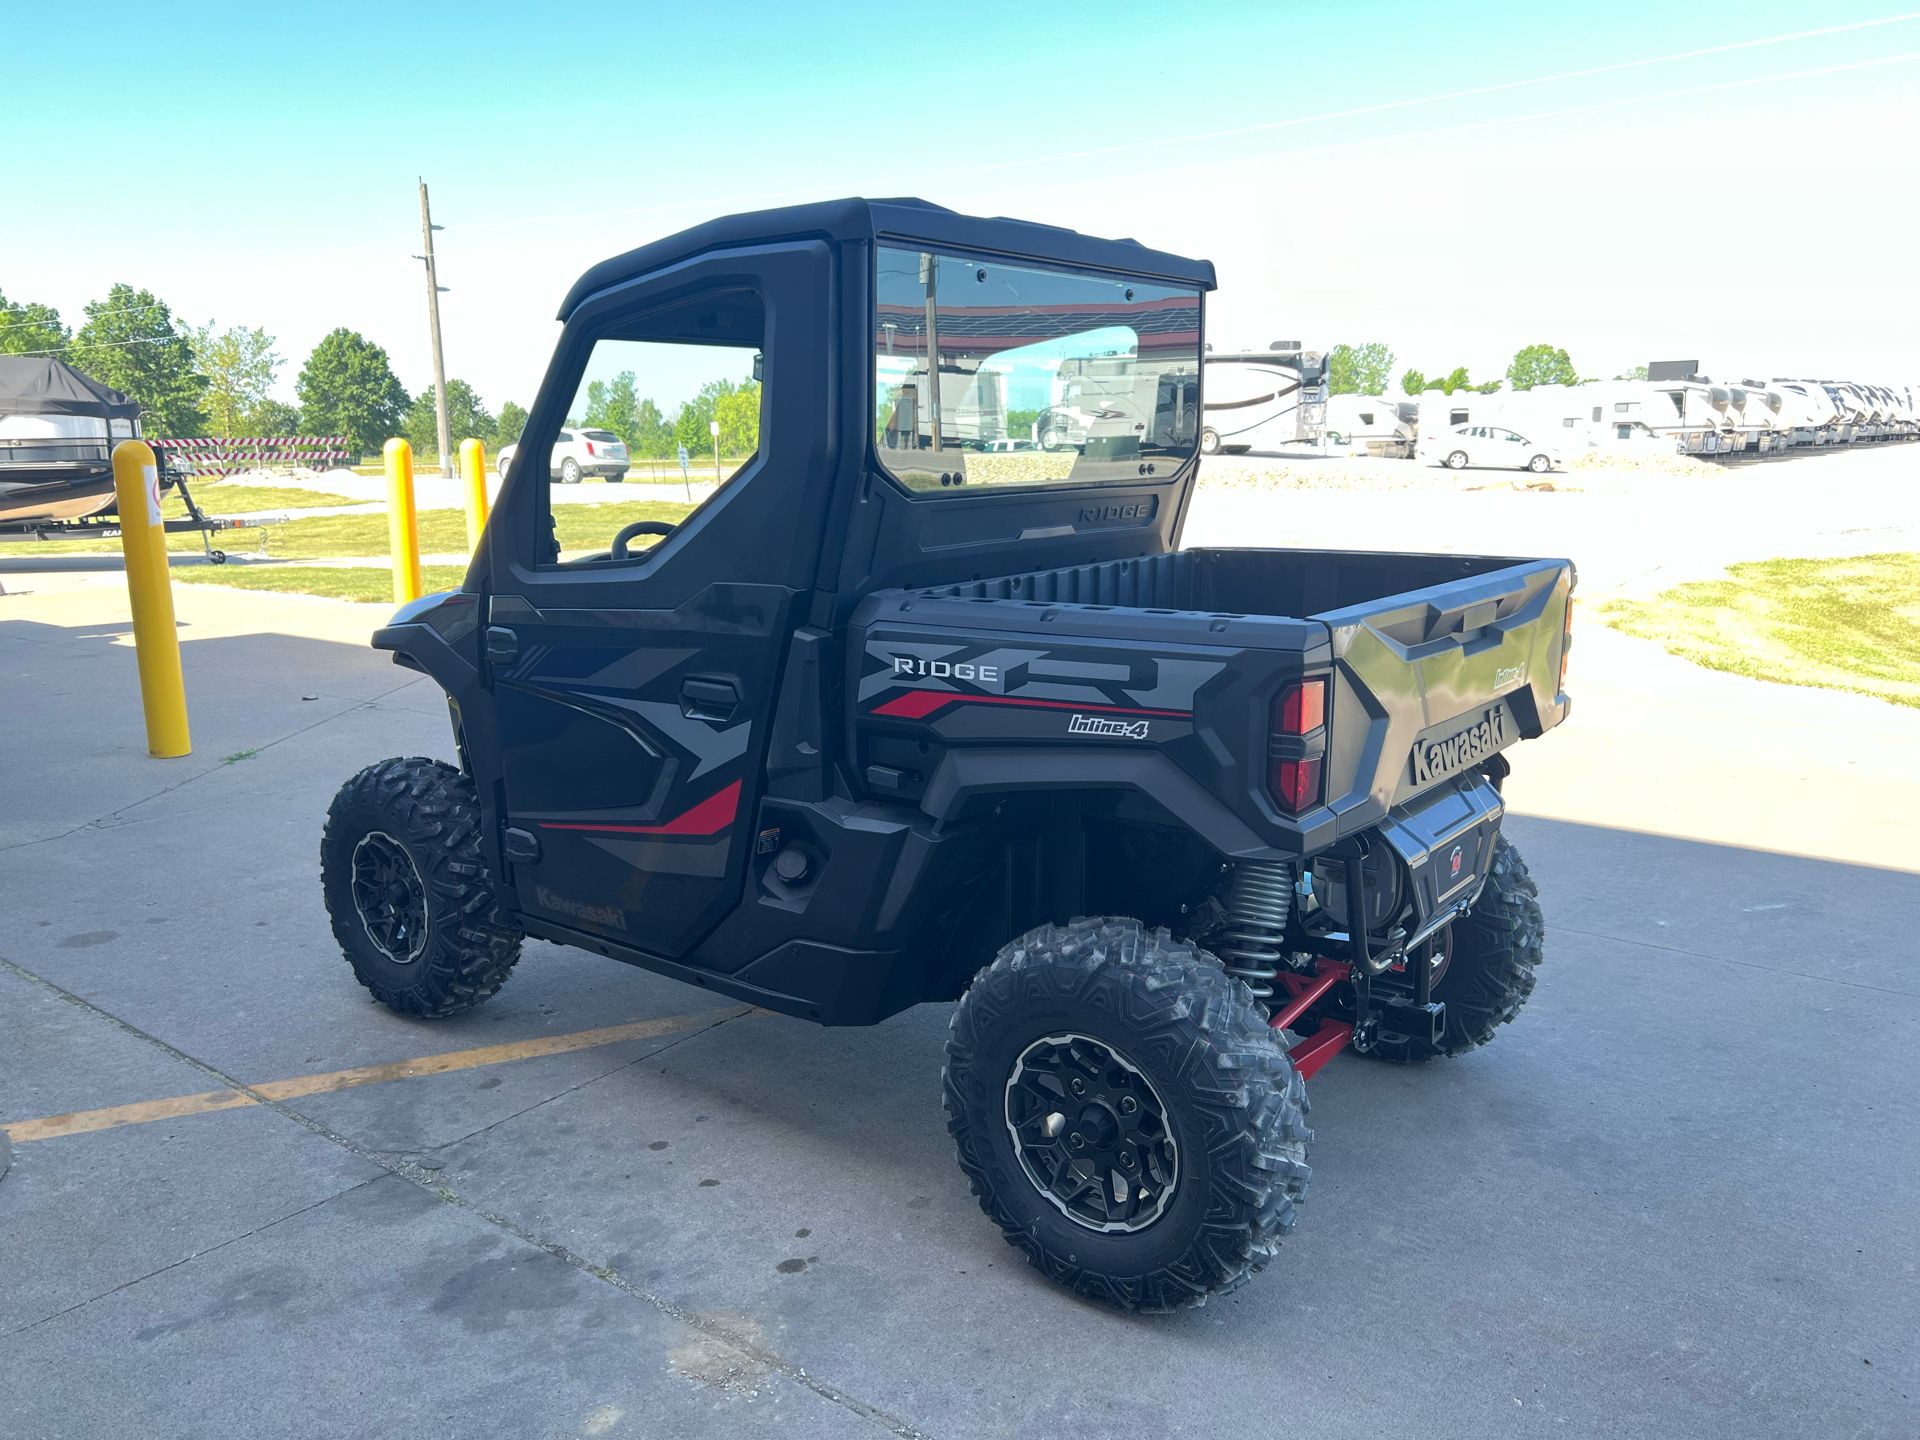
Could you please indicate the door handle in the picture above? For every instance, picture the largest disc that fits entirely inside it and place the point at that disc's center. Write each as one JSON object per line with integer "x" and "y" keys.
{"x": 705, "y": 698}
{"x": 503, "y": 646}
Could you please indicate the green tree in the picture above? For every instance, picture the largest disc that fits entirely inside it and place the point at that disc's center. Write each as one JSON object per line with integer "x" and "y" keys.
{"x": 466, "y": 418}
{"x": 508, "y": 424}
{"x": 1359, "y": 369}
{"x": 1541, "y": 365}
{"x": 28, "y": 328}
{"x": 348, "y": 388}
{"x": 1456, "y": 380}
{"x": 269, "y": 417}
{"x": 655, "y": 438}
{"x": 1489, "y": 388}
{"x": 131, "y": 343}
{"x": 690, "y": 425}
{"x": 613, "y": 405}
{"x": 239, "y": 365}
{"x": 1638, "y": 372}
{"x": 1413, "y": 382}
{"x": 738, "y": 412}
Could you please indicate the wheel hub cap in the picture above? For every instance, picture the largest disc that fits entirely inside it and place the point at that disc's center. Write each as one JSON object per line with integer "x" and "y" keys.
{"x": 1091, "y": 1133}
{"x": 390, "y": 897}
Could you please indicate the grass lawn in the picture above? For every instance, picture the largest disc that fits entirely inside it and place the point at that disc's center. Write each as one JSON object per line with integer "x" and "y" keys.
{"x": 217, "y": 497}
{"x": 335, "y": 582}
{"x": 327, "y": 537}
{"x": 1851, "y": 624}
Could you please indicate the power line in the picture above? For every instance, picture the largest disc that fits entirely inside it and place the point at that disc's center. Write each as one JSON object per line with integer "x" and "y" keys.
{"x": 103, "y": 315}
{"x": 102, "y": 344}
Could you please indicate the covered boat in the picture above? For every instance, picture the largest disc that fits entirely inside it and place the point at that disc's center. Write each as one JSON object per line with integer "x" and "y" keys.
{"x": 58, "y": 428}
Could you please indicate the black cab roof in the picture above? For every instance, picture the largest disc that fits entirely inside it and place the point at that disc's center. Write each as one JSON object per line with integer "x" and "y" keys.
{"x": 864, "y": 221}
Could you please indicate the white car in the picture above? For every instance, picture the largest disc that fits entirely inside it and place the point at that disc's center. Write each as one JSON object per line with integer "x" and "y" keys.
{"x": 1490, "y": 446}
{"x": 578, "y": 454}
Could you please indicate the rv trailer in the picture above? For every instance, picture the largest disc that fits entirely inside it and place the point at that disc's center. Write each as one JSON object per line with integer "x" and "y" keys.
{"x": 1263, "y": 400}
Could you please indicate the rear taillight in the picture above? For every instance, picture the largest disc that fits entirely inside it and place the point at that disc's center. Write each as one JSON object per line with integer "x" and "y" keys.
{"x": 590, "y": 449}
{"x": 1297, "y": 745}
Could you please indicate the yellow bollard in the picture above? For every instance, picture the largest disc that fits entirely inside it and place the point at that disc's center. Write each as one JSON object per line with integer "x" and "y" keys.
{"x": 156, "y": 642}
{"x": 403, "y": 535}
{"x": 473, "y": 466}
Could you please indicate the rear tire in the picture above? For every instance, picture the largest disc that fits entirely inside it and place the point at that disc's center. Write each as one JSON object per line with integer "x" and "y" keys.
{"x": 1457, "y": 460}
{"x": 1490, "y": 973}
{"x": 569, "y": 471}
{"x": 1540, "y": 464}
{"x": 1153, "y": 1029}
{"x": 407, "y": 889}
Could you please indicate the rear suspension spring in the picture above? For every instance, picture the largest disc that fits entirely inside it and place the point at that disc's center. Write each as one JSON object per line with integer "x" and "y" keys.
{"x": 1258, "y": 897}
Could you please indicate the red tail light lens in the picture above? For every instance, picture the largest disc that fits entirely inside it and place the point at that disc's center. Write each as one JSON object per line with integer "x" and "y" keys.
{"x": 1300, "y": 709}
{"x": 1295, "y": 783}
{"x": 590, "y": 449}
{"x": 1297, "y": 755}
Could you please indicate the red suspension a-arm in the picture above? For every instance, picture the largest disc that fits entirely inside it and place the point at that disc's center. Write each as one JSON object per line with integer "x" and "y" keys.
{"x": 1332, "y": 1036}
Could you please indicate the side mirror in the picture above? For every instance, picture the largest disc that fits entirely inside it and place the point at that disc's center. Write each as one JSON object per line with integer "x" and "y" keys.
{"x": 759, "y": 364}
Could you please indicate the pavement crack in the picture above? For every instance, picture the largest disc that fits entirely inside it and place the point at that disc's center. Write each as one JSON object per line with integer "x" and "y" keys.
{"x": 112, "y": 817}
{"x": 606, "y": 1074}
{"x": 259, "y": 1229}
{"x": 435, "y": 1185}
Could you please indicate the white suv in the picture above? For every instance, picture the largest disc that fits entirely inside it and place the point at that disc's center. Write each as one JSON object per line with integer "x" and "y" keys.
{"x": 578, "y": 454}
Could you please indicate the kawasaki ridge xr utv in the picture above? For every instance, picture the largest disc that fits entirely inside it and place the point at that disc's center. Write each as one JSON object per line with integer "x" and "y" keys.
{"x": 914, "y": 709}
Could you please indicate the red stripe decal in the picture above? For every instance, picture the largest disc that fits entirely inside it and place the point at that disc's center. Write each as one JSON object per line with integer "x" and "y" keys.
{"x": 709, "y": 817}
{"x": 918, "y": 704}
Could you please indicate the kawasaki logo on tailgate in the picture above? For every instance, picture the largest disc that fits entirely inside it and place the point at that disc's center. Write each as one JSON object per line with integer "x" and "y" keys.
{"x": 1437, "y": 759}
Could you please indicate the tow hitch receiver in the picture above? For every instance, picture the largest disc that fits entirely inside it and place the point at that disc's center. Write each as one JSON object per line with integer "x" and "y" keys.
{"x": 1395, "y": 1016}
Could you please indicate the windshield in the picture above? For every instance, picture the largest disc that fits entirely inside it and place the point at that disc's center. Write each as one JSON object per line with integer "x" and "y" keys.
{"x": 1044, "y": 377}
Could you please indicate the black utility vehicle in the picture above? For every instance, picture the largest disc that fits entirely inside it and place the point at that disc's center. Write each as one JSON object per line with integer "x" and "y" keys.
{"x": 910, "y": 711}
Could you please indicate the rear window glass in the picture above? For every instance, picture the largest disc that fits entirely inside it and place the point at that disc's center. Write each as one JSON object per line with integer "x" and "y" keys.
{"x": 991, "y": 374}
{"x": 606, "y": 435}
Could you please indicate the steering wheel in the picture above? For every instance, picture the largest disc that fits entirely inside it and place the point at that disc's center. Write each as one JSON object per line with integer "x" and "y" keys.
{"x": 638, "y": 527}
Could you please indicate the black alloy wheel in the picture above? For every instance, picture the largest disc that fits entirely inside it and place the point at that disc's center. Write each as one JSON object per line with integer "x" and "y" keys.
{"x": 1090, "y": 1131}
{"x": 389, "y": 897}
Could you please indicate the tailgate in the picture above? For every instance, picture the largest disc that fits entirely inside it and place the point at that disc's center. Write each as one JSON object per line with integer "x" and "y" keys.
{"x": 1434, "y": 682}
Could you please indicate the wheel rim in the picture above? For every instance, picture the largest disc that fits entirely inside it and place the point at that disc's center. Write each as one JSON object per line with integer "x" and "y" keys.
{"x": 1540, "y": 464}
{"x": 1457, "y": 461}
{"x": 1091, "y": 1133}
{"x": 390, "y": 897}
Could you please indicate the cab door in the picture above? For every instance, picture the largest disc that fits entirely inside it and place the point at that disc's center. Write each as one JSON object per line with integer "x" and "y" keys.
{"x": 630, "y": 678}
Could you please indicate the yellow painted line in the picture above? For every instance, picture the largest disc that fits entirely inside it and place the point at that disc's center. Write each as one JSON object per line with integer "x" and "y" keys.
{"x": 79, "y": 1122}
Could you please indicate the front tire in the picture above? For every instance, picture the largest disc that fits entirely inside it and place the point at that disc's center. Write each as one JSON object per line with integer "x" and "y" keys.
{"x": 407, "y": 889}
{"x": 1494, "y": 952}
{"x": 1540, "y": 464}
{"x": 1178, "y": 1153}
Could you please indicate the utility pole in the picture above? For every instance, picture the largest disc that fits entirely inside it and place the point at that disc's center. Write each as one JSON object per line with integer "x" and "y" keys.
{"x": 930, "y": 274}
{"x": 434, "y": 291}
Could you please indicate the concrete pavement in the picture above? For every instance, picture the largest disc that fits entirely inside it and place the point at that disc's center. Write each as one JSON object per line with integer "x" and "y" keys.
{"x": 1674, "y": 1200}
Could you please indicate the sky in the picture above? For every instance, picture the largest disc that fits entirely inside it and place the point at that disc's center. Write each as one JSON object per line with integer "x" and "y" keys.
{"x": 1733, "y": 183}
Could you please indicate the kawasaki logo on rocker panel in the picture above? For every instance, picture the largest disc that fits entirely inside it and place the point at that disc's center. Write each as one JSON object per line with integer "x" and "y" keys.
{"x": 1436, "y": 759}
{"x": 1115, "y": 729}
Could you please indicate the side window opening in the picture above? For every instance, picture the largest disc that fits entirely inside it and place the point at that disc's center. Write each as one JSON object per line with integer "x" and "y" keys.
{"x": 666, "y": 415}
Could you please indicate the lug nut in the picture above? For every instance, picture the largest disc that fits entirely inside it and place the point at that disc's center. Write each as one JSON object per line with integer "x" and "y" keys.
{"x": 1128, "y": 1104}
{"x": 1077, "y": 1141}
{"x": 1127, "y": 1161}
{"x": 1077, "y": 1085}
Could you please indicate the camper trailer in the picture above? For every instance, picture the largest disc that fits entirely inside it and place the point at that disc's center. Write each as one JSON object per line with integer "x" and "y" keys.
{"x": 1263, "y": 400}
{"x": 1368, "y": 425}
{"x": 972, "y": 413}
